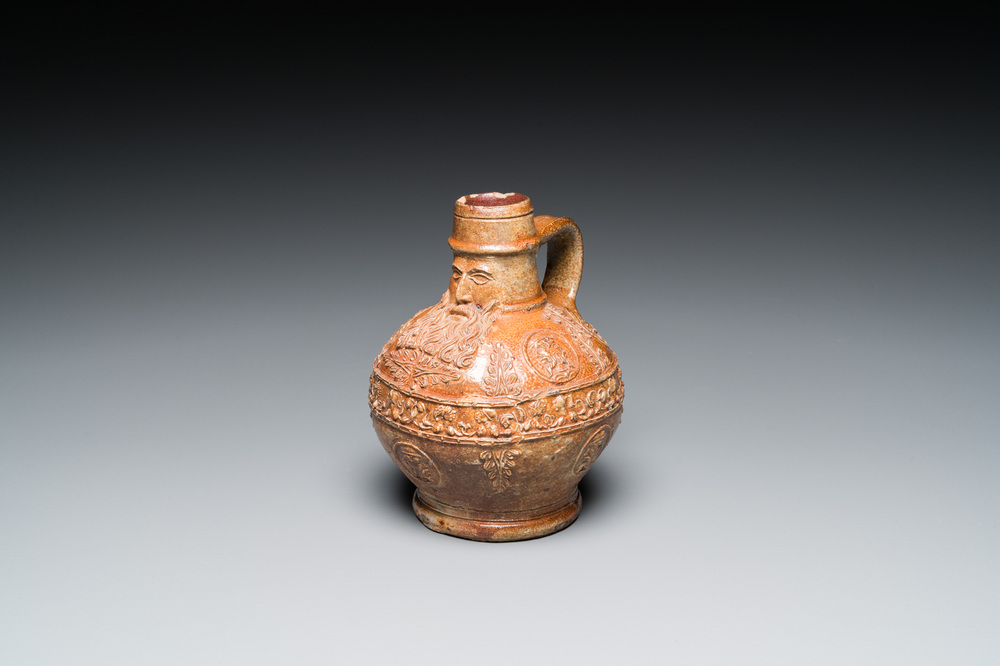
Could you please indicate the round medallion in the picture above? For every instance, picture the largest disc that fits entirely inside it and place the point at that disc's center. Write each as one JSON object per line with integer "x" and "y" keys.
{"x": 591, "y": 449}
{"x": 417, "y": 464}
{"x": 551, "y": 356}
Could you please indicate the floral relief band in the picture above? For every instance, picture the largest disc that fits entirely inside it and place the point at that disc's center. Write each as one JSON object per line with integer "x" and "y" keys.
{"x": 531, "y": 418}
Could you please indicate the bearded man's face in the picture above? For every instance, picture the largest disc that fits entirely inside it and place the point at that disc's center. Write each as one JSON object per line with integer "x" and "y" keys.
{"x": 473, "y": 285}
{"x": 438, "y": 343}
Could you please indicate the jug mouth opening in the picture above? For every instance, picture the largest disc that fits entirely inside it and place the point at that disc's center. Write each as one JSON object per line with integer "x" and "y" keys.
{"x": 493, "y": 205}
{"x": 492, "y": 199}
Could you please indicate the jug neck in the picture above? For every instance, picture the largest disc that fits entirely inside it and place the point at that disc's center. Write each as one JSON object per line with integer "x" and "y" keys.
{"x": 495, "y": 244}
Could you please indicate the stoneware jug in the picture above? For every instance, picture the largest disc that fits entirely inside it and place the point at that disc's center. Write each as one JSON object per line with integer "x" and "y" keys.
{"x": 497, "y": 400}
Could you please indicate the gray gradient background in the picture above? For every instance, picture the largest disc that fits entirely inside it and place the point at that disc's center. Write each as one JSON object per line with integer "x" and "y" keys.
{"x": 791, "y": 244}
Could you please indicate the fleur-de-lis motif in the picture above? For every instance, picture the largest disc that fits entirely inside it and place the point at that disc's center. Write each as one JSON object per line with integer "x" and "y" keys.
{"x": 498, "y": 465}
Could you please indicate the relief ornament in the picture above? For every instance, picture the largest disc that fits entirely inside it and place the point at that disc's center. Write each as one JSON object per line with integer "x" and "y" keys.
{"x": 496, "y": 400}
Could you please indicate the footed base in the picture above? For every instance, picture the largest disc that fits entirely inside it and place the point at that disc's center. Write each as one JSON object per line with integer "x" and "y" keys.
{"x": 433, "y": 515}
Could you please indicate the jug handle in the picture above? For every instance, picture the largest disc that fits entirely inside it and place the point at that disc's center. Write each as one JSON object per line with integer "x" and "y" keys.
{"x": 564, "y": 259}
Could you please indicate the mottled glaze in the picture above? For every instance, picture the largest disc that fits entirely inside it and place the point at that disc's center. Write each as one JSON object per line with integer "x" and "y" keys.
{"x": 497, "y": 400}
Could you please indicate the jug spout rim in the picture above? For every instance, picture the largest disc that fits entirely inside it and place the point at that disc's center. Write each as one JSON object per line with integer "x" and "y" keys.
{"x": 492, "y": 205}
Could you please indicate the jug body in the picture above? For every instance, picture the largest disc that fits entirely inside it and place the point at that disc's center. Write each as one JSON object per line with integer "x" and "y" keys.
{"x": 497, "y": 400}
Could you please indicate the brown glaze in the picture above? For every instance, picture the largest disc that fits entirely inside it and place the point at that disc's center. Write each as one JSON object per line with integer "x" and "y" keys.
{"x": 497, "y": 400}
